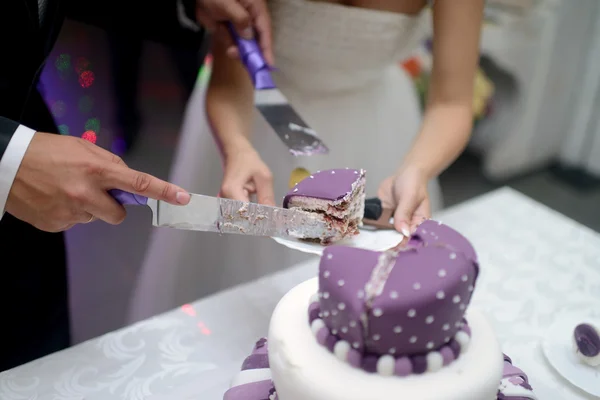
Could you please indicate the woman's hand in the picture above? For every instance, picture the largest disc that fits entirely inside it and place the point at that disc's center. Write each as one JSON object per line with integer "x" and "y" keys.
{"x": 406, "y": 193}
{"x": 246, "y": 175}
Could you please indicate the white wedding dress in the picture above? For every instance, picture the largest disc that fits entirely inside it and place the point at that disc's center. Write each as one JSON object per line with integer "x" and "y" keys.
{"x": 339, "y": 67}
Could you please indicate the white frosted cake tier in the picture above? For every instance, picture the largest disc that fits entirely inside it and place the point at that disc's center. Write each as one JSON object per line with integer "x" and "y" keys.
{"x": 302, "y": 369}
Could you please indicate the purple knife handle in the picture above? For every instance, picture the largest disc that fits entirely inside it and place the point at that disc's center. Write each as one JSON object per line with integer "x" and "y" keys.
{"x": 125, "y": 198}
{"x": 253, "y": 60}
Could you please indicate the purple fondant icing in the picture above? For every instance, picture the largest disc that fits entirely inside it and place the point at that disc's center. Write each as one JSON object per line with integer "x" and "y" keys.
{"x": 322, "y": 336}
{"x": 330, "y": 342}
{"x": 249, "y": 391}
{"x": 342, "y": 280}
{"x": 369, "y": 363}
{"x": 587, "y": 340}
{"x": 255, "y": 361}
{"x": 423, "y": 300}
{"x": 403, "y": 367}
{"x": 516, "y": 377}
{"x": 419, "y": 364}
{"x": 332, "y": 184}
{"x": 455, "y": 348}
{"x": 447, "y": 355}
{"x": 354, "y": 358}
{"x": 313, "y": 312}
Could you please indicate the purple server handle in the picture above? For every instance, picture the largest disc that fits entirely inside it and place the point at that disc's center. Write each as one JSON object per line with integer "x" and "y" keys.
{"x": 128, "y": 199}
{"x": 253, "y": 60}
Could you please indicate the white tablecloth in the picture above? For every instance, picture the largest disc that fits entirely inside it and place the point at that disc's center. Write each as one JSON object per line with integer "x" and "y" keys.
{"x": 535, "y": 265}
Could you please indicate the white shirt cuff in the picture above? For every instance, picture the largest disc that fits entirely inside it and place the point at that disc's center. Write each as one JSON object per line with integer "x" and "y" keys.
{"x": 11, "y": 161}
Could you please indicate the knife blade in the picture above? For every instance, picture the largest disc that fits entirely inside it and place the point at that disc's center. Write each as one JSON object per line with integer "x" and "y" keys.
{"x": 275, "y": 108}
{"x": 225, "y": 216}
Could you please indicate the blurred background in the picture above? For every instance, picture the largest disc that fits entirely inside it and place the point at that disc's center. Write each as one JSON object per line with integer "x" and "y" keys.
{"x": 537, "y": 98}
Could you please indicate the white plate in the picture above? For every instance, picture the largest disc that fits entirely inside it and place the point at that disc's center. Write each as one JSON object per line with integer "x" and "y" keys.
{"x": 378, "y": 240}
{"x": 558, "y": 349}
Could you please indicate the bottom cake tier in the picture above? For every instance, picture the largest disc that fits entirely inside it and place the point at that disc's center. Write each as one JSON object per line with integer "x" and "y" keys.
{"x": 305, "y": 370}
{"x": 302, "y": 369}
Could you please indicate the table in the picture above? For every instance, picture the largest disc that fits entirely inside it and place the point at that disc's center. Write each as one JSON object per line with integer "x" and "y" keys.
{"x": 535, "y": 265}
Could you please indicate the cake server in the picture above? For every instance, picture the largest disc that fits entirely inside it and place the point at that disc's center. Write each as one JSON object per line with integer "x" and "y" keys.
{"x": 220, "y": 215}
{"x": 376, "y": 216}
{"x": 300, "y": 139}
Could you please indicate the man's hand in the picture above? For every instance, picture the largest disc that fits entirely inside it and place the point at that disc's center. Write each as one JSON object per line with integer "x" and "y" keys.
{"x": 64, "y": 181}
{"x": 249, "y": 17}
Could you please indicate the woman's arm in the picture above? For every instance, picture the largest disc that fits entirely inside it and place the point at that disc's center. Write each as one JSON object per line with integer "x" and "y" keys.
{"x": 448, "y": 117}
{"x": 229, "y": 101}
{"x": 230, "y": 110}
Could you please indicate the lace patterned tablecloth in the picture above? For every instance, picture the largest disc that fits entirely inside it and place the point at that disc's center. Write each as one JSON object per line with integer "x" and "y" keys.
{"x": 536, "y": 265}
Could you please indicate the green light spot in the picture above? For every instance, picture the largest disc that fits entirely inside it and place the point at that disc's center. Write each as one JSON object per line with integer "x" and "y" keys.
{"x": 63, "y": 62}
{"x": 63, "y": 129}
{"x": 92, "y": 124}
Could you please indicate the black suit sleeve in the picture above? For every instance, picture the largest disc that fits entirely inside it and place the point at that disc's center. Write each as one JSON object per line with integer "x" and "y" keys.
{"x": 7, "y": 130}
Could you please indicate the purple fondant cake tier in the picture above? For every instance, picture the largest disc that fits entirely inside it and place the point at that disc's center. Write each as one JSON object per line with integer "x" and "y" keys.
{"x": 331, "y": 185}
{"x": 402, "y": 303}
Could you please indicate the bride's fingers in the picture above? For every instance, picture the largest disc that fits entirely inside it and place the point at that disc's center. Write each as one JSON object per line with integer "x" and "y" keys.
{"x": 223, "y": 36}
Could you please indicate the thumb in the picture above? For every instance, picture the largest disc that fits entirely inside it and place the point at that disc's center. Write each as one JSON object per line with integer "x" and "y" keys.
{"x": 264, "y": 190}
{"x": 407, "y": 204}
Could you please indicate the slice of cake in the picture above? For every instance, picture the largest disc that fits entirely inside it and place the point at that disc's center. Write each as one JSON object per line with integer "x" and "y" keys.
{"x": 336, "y": 196}
{"x": 376, "y": 326}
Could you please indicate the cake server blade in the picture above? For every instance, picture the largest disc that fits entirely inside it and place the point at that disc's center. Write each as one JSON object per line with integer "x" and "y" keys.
{"x": 275, "y": 108}
{"x": 219, "y": 215}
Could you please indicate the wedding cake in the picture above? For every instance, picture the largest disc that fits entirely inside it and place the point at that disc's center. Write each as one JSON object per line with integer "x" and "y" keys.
{"x": 379, "y": 324}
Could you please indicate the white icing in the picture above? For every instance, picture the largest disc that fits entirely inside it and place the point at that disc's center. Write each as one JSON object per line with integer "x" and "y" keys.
{"x": 412, "y": 313}
{"x": 305, "y": 370}
{"x": 385, "y": 365}
{"x": 314, "y": 298}
{"x": 510, "y": 389}
{"x": 250, "y": 376}
{"x": 316, "y": 326}
{"x": 463, "y": 339}
{"x": 341, "y": 350}
{"x": 435, "y": 361}
{"x": 378, "y": 312}
{"x": 442, "y": 273}
{"x": 429, "y": 320}
{"x": 456, "y": 299}
{"x": 440, "y": 295}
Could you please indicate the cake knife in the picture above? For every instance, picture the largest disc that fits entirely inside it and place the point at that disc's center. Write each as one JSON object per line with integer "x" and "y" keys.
{"x": 220, "y": 215}
{"x": 300, "y": 139}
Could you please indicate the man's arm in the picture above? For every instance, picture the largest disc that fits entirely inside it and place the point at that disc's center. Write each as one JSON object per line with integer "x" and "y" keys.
{"x": 14, "y": 141}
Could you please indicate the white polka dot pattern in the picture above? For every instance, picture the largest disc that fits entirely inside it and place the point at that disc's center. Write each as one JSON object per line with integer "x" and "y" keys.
{"x": 421, "y": 303}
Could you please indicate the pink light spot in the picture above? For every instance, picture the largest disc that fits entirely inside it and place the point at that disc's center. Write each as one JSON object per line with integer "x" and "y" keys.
{"x": 86, "y": 79}
{"x": 90, "y": 136}
{"x": 189, "y": 310}
{"x": 203, "y": 329}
